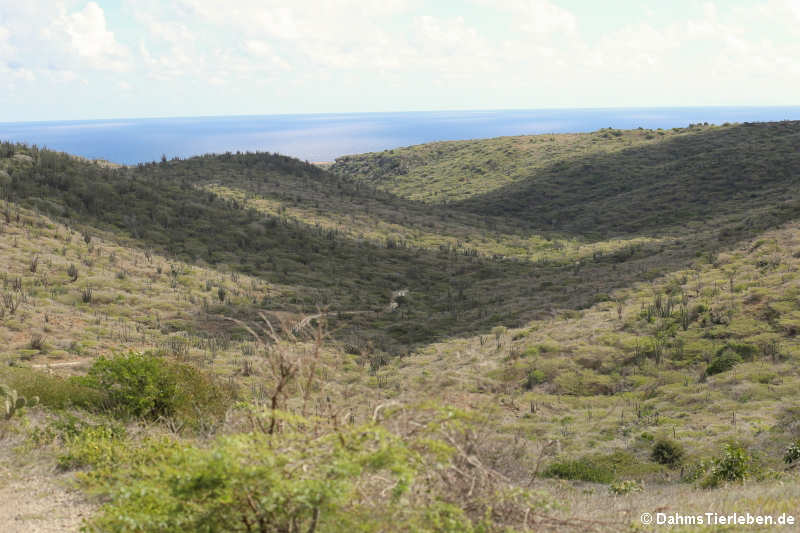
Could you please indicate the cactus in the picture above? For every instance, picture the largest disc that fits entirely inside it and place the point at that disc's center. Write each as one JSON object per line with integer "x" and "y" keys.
{"x": 13, "y": 401}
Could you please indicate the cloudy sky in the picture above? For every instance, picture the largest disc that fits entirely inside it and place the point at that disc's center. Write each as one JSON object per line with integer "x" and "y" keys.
{"x": 143, "y": 58}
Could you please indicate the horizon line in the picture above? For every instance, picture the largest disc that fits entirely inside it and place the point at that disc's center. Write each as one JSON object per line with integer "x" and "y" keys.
{"x": 430, "y": 111}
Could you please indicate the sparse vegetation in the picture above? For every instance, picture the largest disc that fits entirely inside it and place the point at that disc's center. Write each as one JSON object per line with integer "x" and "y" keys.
{"x": 260, "y": 341}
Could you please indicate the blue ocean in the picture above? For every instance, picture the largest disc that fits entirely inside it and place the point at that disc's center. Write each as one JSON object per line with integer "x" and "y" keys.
{"x": 324, "y": 137}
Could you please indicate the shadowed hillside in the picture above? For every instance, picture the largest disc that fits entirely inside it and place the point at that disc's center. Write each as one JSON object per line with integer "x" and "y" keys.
{"x": 607, "y": 183}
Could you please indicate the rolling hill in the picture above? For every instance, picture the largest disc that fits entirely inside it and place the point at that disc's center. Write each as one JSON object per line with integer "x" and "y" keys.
{"x": 609, "y": 183}
{"x": 549, "y": 333}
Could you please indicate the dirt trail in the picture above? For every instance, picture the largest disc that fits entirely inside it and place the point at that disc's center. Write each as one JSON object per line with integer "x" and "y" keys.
{"x": 35, "y": 500}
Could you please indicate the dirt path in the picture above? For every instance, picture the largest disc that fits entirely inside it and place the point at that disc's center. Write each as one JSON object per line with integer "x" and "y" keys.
{"x": 35, "y": 499}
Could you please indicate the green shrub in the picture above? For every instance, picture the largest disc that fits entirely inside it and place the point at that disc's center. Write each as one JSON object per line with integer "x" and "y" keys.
{"x": 696, "y": 471}
{"x": 244, "y": 482}
{"x": 583, "y": 469}
{"x": 625, "y": 487}
{"x": 723, "y": 361}
{"x": 601, "y": 468}
{"x": 146, "y": 386}
{"x": 746, "y": 351}
{"x": 530, "y": 351}
{"x": 667, "y": 452}
{"x": 95, "y": 446}
{"x": 445, "y": 518}
{"x": 346, "y": 479}
{"x": 733, "y": 465}
{"x": 53, "y": 391}
{"x": 535, "y": 377}
{"x": 792, "y": 453}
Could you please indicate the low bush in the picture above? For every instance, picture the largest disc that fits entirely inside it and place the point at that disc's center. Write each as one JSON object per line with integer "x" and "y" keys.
{"x": 792, "y": 453}
{"x": 94, "y": 446}
{"x": 535, "y": 377}
{"x": 667, "y": 452}
{"x": 583, "y": 469}
{"x": 257, "y": 482}
{"x": 625, "y": 487}
{"x": 723, "y": 361}
{"x": 143, "y": 385}
{"x": 53, "y": 391}
{"x": 601, "y": 468}
{"x": 734, "y": 464}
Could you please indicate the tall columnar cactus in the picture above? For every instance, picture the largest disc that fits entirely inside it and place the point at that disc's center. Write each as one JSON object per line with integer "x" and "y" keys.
{"x": 13, "y": 401}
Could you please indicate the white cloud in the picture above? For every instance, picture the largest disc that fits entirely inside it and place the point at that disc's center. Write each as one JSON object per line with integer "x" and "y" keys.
{"x": 633, "y": 49}
{"x": 173, "y": 62}
{"x": 452, "y": 49}
{"x": 793, "y": 6}
{"x": 539, "y": 17}
{"x": 171, "y": 32}
{"x": 487, "y": 48}
{"x": 264, "y": 51}
{"x": 6, "y": 49}
{"x": 88, "y": 36}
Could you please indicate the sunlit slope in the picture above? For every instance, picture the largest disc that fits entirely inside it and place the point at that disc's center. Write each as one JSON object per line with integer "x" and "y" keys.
{"x": 706, "y": 355}
{"x": 606, "y": 183}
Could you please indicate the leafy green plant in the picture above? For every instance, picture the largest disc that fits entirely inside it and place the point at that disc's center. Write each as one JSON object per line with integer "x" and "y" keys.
{"x": 246, "y": 483}
{"x": 535, "y": 377}
{"x": 733, "y": 465}
{"x": 601, "y": 468}
{"x": 625, "y": 487}
{"x": 137, "y": 384}
{"x": 144, "y": 385}
{"x": 792, "y": 453}
{"x": 96, "y": 446}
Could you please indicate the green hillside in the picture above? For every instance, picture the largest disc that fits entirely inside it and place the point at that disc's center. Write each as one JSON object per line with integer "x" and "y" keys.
{"x": 606, "y": 183}
{"x": 341, "y": 245}
{"x": 588, "y": 327}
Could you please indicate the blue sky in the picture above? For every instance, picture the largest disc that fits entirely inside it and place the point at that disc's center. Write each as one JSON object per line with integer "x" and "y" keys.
{"x": 74, "y": 59}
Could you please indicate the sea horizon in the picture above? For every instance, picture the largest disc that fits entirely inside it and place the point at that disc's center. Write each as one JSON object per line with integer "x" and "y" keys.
{"x": 322, "y": 137}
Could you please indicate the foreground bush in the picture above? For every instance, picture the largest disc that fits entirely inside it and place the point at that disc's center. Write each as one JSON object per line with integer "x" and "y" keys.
{"x": 359, "y": 478}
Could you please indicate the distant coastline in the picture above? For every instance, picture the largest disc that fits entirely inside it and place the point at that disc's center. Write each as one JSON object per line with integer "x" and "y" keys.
{"x": 321, "y": 138}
